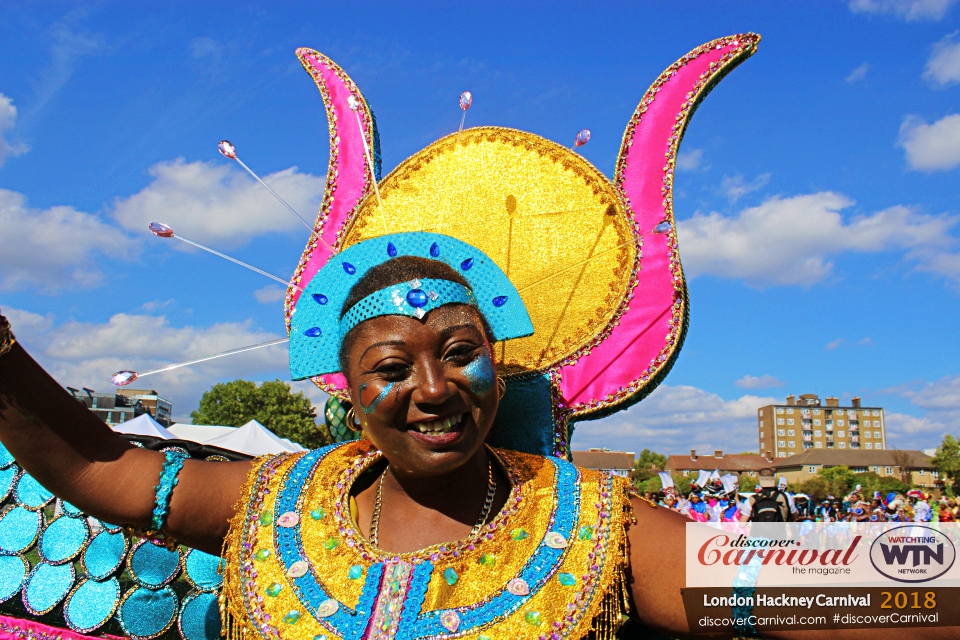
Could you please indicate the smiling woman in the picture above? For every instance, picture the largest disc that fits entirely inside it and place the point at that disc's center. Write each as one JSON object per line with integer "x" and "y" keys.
{"x": 488, "y": 296}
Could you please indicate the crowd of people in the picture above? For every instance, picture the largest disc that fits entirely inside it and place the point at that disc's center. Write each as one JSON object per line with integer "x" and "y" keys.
{"x": 716, "y": 498}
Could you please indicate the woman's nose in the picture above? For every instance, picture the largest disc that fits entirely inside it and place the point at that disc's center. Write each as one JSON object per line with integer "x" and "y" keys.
{"x": 433, "y": 387}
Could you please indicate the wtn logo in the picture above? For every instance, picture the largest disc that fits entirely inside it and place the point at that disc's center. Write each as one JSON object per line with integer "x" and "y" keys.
{"x": 899, "y": 554}
{"x": 913, "y": 553}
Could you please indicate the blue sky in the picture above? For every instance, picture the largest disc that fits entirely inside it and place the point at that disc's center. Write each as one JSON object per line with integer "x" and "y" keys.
{"x": 817, "y": 197}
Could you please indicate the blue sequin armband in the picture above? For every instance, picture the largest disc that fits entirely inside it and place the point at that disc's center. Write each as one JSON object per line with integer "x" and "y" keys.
{"x": 172, "y": 463}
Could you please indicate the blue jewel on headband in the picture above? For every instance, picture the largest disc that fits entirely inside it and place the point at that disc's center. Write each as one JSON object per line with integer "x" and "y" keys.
{"x": 317, "y": 330}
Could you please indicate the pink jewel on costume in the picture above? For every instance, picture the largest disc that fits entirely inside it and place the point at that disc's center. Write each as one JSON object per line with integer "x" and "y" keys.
{"x": 450, "y": 621}
{"x": 518, "y": 587}
{"x": 161, "y": 230}
{"x": 123, "y": 378}
{"x": 288, "y": 519}
{"x": 353, "y": 103}
{"x": 227, "y": 149}
{"x": 298, "y": 569}
{"x": 554, "y": 540}
{"x": 583, "y": 137}
{"x": 327, "y": 608}
{"x": 466, "y": 99}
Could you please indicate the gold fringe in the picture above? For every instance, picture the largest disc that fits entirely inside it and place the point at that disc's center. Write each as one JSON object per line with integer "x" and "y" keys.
{"x": 615, "y": 600}
{"x": 232, "y": 609}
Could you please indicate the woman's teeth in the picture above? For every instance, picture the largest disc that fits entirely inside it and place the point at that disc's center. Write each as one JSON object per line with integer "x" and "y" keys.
{"x": 440, "y": 426}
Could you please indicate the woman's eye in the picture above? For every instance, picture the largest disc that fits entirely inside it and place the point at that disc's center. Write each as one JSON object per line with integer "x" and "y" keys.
{"x": 393, "y": 370}
{"x": 462, "y": 352}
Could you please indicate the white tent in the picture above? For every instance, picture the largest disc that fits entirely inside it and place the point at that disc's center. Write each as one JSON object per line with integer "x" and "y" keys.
{"x": 254, "y": 439}
{"x": 202, "y": 433}
{"x": 144, "y": 425}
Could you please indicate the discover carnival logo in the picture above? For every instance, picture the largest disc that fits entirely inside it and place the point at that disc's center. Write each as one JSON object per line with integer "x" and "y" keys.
{"x": 913, "y": 553}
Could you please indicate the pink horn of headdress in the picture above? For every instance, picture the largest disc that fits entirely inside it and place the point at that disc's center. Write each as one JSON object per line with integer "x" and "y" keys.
{"x": 641, "y": 349}
{"x": 349, "y": 178}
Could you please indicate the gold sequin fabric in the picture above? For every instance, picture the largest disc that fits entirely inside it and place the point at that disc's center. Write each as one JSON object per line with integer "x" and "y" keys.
{"x": 553, "y": 561}
{"x": 549, "y": 219}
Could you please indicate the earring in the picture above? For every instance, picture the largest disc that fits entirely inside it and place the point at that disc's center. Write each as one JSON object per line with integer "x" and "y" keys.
{"x": 351, "y": 420}
{"x": 502, "y": 385}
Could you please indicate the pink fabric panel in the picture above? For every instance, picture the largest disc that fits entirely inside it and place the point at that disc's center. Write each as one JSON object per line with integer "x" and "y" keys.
{"x": 21, "y": 629}
{"x": 348, "y": 187}
{"x": 633, "y": 345}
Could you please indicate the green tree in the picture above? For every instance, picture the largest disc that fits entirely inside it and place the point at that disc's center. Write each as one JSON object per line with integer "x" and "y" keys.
{"x": 272, "y": 404}
{"x": 836, "y": 481}
{"x": 947, "y": 462}
{"x": 647, "y": 466}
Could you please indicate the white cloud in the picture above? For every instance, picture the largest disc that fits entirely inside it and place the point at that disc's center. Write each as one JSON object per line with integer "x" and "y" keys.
{"x": 269, "y": 294}
{"x": 940, "y": 402}
{"x": 909, "y": 10}
{"x": 866, "y": 342}
{"x": 206, "y": 48}
{"x": 931, "y": 147}
{"x": 789, "y": 241}
{"x": 943, "y": 67}
{"x": 736, "y": 187}
{"x": 690, "y": 160}
{"x": 87, "y": 354}
{"x": 69, "y": 44}
{"x": 54, "y": 249}
{"x": 759, "y": 382}
{"x": 675, "y": 420}
{"x": 834, "y": 344}
{"x": 216, "y": 202}
{"x": 8, "y": 118}
{"x": 859, "y": 74}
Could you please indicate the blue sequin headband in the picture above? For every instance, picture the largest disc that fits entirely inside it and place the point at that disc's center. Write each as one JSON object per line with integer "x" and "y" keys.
{"x": 415, "y": 298}
{"x": 317, "y": 331}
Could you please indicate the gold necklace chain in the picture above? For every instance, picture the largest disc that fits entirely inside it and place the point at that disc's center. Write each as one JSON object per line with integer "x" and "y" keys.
{"x": 484, "y": 513}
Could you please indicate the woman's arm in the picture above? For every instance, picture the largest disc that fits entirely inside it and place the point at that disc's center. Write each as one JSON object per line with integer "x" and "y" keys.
{"x": 81, "y": 460}
{"x": 658, "y": 568}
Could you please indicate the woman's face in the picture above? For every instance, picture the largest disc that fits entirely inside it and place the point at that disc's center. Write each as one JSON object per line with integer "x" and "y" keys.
{"x": 425, "y": 391}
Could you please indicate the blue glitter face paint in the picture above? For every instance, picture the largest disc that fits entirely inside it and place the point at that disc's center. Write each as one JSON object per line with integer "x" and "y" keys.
{"x": 481, "y": 375}
{"x": 370, "y": 408}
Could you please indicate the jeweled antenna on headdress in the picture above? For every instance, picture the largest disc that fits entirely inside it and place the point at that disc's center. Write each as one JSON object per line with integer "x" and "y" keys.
{"x": 466, "y": 99}
{"x": 227, "y": 149}
{"x": 163, "y": 231}
{"x": 582, "y": 138}
{"x": 125, "y": 377}
{"x": 354, "y": 103}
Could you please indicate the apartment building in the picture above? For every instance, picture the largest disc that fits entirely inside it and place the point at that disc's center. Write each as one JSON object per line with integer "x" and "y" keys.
{"x": 805, "y": 422}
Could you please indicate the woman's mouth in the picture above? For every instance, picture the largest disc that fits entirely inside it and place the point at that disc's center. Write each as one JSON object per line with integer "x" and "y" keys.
{"x": 442, "y": 431}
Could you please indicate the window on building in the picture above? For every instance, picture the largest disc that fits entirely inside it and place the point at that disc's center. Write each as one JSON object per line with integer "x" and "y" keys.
{"x": 817, "y": 432}
{"x": 818, "y": 444}
{"x": 779, "y": 409}
{"x": 888, "y": 470}
{"x": 791, "y": 432}
{"x": 876, "y": 434}
{"x": 878, "y": 446}
{"x": 829, "y": 444}
{"x": 109, "y": 416}
{"x": 761, "y": 411}
{"x": 875, "y": 469}
{"x": 782, "y": 454}
{"x": 781, "y": 444}
{"x": 789, "y": 420}
{"x": 854, "y": 445}
{"x": 762, "y": 445}
{"x": 790, "y": 411}
{"x": 816, "y": 423}
{"x": 780, "y": 432}
{"x": 792, "y": 444}
{"x": 919, "y": 472}
{"x": 779, "y": 420}
{"x": 841, "y": 434}
{"x": 935, "y": 473}
{"x": 839, "y": 423}
{"x": 811, "y": 469}
{"x": 686, "y": 472}
{"x": 816, "y": 412}
{"x": 868, "y": 445}
{"x": 843, "y": 445}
